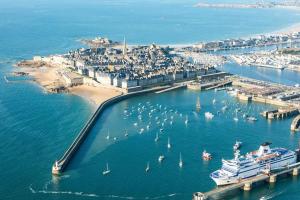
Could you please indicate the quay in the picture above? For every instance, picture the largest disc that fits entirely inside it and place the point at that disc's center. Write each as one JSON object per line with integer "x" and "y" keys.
{"x": 280, "y": 113}
{"x": 247, "y": 184}
{"x": 174, "y": 87}
{"x": 295, "y": 124}
{"x": 60, "y": 165}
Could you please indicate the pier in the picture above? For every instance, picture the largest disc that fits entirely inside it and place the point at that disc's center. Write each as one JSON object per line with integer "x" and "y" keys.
{"x": 280, "y": 113}
{"x": 247, "y": 184}
{"x": 60, "y": 165}
{"x": 295, "y": 124}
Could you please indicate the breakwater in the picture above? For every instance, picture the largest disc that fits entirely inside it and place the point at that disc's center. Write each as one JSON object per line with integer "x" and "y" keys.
{"x": 60, "y": 165}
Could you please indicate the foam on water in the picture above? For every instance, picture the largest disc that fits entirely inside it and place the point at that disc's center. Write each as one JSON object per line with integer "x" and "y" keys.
{"x": 272, "y": 195}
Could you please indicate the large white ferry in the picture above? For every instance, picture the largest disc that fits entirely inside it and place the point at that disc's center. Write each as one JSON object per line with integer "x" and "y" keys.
{"x": 253, "y": 163}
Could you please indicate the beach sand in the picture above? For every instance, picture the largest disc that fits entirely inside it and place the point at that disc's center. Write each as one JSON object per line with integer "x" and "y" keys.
{"x": 96, "y": 95}
{"x": 49, "y": 77}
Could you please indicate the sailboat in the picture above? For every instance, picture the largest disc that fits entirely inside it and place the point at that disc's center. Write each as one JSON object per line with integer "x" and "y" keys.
{"x": 147, "y": 167}
{"x": 214, "y": 101}
{"x": 169, "y": 144}
{"x": 186, "y": 120}
{"x": 107, "y": 171}
{"x": 126, "y": 133}
{"x": 236, "y": 118}
{"x": 107, "y": 137}
{"x": 180, "y": 161}
{"x": 198, "y": 105}
{"x": 156, "y": 138}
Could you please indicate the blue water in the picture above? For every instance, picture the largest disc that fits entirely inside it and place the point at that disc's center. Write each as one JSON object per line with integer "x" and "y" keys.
{"x": 36, "y": 127}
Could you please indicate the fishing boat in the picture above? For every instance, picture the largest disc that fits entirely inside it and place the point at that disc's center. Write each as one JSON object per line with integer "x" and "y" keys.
{"x": 107, "y": 170}
{"x": 206, "y": 155}
{"x": 208, "y": 115}
{"x": 147, "y": 167}
{"x": 161, "y": 158}
{"x": 169, "y": 144}
{"x": 253, "y": 163}
{"x": 180, "y": 161}
{"x": 237, "y": 145}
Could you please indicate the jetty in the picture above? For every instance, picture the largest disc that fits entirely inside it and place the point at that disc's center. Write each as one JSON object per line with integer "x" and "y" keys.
{"x": 247, "y": 184}
{"x": 60, "y": 165}
{"x": 280, "y": 113}
{"x": 295, "y": 124}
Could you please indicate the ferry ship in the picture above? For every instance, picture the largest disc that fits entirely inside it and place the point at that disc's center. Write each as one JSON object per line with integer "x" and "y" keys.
{"x": 253, "y": 163}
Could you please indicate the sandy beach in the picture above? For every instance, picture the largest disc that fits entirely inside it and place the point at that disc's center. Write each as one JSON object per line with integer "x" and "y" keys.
{"x": 95, "y": 95}
{"x": 49, "y": 77}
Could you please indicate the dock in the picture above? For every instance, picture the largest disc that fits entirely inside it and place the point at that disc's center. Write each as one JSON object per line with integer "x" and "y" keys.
{"x": 295, "y": 124}
{"x": 247, "y": 184}
{"x": 280, "y": 113}
{"x": 174, "y": 87}
{"x": 60, "y": 165}
{"x": 222, "y": 84}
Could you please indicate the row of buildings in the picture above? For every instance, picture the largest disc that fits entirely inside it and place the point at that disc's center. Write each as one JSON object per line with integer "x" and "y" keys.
{"x": 262, "y": 40}
{"x": 128, "y": 68}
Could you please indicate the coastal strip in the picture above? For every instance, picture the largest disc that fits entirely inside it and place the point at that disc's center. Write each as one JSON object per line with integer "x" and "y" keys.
{"x": 61, "y": 164}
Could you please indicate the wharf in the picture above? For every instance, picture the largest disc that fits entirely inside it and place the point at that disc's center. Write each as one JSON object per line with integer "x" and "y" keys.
{"x": 247, "y": 183}
{"x": 183, "y": 85}
{"x": 280, "y": 113}
{"x": 295, "y": 124}
{"x": 60, "y": 165}
{"x": 209, "y": 85}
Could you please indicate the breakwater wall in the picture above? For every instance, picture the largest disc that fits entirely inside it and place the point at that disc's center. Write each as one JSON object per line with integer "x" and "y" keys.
{"x": 60, "y": 165}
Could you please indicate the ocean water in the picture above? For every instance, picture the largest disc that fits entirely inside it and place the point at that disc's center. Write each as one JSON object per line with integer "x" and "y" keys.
{"x": 36, "y": 127}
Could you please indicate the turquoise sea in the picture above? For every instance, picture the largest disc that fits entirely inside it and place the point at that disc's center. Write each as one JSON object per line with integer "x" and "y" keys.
{"x": 36, "y": 127}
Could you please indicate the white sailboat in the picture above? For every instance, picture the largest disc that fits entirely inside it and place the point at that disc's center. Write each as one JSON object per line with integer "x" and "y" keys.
{"x": 169, "y": 144}
{"x": 126, "y": 133}
{"x": 107, "y": 137}
{"x": 213, "y": 101}
{"x": 236, "y": 118}
{"x": 107, "y": 170}
{"x": 156, "y": 138}
{"x": 147, "y": 167}
{"x": 186, "y": 120}
{"x": 180, "y": 161}
{"x": 198, "y": 105}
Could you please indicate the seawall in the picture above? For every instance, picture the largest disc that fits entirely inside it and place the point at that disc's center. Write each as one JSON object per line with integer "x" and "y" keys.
{"x": 60, "y": 165}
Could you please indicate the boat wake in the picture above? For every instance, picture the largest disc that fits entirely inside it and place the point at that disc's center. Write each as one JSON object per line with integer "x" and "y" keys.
{"x": 45, "y": 191}
{"x": 271, "y": 196}
{"x": 61, "y": 192}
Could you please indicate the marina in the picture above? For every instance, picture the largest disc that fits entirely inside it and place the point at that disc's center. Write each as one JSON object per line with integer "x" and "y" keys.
{"x": 118, "y": 156}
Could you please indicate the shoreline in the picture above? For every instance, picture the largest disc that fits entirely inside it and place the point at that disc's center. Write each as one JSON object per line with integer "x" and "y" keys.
{"x": 47, "y": 77}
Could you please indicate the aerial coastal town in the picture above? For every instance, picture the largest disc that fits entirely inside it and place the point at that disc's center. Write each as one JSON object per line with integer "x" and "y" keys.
{"x": 121, "y": 68}
{"x": 114, "y": 68}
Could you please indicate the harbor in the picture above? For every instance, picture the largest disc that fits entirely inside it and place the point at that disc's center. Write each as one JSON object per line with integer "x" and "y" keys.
{"x": 154, "y": 146}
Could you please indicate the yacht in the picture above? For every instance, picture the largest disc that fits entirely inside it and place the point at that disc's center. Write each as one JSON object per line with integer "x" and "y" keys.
{"x": 206, "y": 155}
{"x": 161, "y": 158}
{"x": 208, "y": 115}
{"x": 237, "y": 145}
